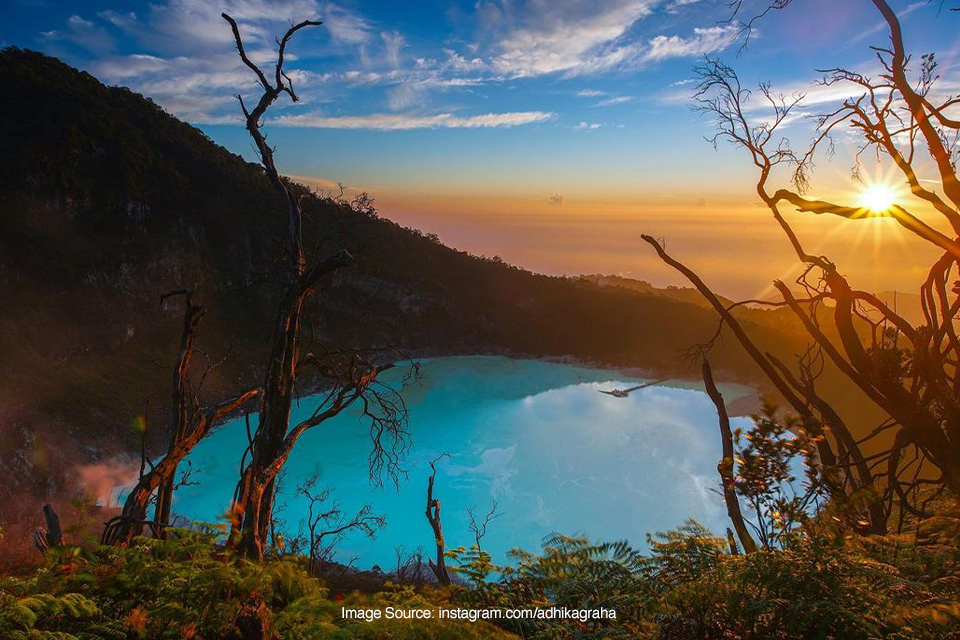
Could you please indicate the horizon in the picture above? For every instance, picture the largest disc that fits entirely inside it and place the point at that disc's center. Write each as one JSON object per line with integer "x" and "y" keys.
{"x": 523, "y": 130}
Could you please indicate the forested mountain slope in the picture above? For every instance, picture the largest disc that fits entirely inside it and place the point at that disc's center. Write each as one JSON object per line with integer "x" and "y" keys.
{"x": 107, "y": 201}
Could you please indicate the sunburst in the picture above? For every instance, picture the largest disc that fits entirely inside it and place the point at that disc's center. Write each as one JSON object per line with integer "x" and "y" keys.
{"x": 878, "y": 197}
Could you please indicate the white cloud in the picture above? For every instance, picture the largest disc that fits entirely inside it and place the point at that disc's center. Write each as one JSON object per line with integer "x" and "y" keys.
{"x": 83, "y": 33}
{"x": 405, "y": 95}
{"x": 398, "y": 122}
{"x": 358, "y": 77}
{"x": 189, "y": 65}
{"x": 452, "y": 82}
{"x": 708, "y": 40}
{"x": 676, "y": 5}
{"x": 119, "y": 20}
{"x": 189, "y": 27}
{"x": 816, "y": 93}
{"x": 609, "y": 102}
{"x": 198, "y": 89}
{"x": 589, "y": 126}
{"x": 578, "y": 37}
{"x": 569, "y": 36}
{"x": 132, "y": 66}
{"x": 187, "y": 62}
{"x": 457, "y": 62}
{"x": 192, "y": 68}
{"x": 345, "y": 26}
{"x": 413, "y": 89}
{"x": 393, "y": 42}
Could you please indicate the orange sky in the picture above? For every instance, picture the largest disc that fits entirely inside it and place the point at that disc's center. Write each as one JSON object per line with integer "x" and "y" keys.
{"x": 733, "y": 242}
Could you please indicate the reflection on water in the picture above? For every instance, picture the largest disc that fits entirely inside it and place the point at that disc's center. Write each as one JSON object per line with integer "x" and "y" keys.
{"x": 537, "y": 437}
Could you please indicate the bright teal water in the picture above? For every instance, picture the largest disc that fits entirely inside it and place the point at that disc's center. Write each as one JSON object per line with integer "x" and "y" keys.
{"x": 536, "y": 436}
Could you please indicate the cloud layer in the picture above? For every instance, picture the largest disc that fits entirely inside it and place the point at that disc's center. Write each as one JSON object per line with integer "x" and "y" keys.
{"x": 182, "y": 55}
{"x": 397, "y": 122}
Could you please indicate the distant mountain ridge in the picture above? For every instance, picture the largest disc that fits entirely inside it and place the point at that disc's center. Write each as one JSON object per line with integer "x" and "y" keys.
{"x": 106, "y": 201}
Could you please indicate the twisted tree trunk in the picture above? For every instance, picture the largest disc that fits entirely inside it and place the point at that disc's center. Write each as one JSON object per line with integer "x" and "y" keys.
{"x": 828, "y": 458}
{"x": 254, "y": 501}
{"x": 725, "y": 466}
{"x": 439, "y": 567}
{"x": 192, "y": 316}
{"x": 191, "y": 425}
{"x": 123, "y": 528}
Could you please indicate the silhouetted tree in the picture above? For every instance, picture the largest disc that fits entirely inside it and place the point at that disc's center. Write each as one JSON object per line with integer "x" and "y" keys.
{"x": 910, "y": 373}
{"x": 348, "y": 377}
{"x": 479, "y": 527}
{"x": 327, "y": 524}
{"x": 409, "y": 567}
{"x": 725, "y": 466}
{"x": 191, "y": 422}
{"x": 439, "y": 567}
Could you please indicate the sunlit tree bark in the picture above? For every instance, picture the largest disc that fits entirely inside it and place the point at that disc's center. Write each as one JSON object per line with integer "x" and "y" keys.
{"x": 191, "y": 423}
{"x": 349, "y": 378}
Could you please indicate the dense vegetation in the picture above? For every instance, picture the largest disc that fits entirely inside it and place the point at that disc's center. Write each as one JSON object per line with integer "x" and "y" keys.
{"x": 688, "y": 586}
{"x": 185, "y": 588}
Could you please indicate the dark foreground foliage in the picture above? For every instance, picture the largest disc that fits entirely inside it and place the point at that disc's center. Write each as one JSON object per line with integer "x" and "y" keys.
{"x": 687, "y": 585}
{"x": 690, "y": 586}
{"x": 186, "y": 588}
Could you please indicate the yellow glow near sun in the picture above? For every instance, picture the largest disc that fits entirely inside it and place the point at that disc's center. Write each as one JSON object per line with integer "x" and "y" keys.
{"x": 878, "y": 197}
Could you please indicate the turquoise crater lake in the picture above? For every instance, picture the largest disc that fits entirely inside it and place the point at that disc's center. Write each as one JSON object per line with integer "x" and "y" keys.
{"x": 536, "y": 436}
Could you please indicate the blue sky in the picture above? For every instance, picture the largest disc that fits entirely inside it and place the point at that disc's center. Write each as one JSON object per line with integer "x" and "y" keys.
{"x": 446, "y": 110}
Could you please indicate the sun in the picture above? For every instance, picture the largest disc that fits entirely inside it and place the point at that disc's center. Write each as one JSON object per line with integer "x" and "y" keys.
{"x": 878, "y": 197}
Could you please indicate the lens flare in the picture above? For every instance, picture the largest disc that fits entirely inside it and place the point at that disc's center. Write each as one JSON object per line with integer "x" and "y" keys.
{"x": 878, "y": 197}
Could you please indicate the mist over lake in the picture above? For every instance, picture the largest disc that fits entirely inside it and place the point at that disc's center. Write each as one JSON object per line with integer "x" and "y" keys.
{"x": 536, "y": 436}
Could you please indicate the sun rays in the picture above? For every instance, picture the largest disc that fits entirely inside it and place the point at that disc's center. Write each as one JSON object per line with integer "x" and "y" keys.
{"x": 870, "y": 229}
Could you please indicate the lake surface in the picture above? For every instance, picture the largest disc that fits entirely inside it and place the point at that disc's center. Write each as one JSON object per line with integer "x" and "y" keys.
{"x": 536, "y": 436}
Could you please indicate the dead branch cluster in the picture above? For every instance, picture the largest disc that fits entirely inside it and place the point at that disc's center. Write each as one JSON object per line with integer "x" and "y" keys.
{"x": 327, "y": 524}
{"x": 341, "y": 379}
{"x": 348, "y": 378}
{"x": 909, "y": 372}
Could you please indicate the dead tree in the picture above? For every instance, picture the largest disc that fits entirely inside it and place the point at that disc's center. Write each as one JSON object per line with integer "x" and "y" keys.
{"x": 254, "y": 499}
{"x": 912, "y": 374}
{"x": 191, "y": 423}
{"x": 327, "y": 524}
{"x": 409, "y": 568}
{"x": 192, "y": 316}
{"x": 479, "y": 527}
{"x": 347, "y": 378}
{"x": 273, "y": 439}
{"x": 725, "y": 466}
{"x": 834, "y": 469}
{"x": 439, "y": 567}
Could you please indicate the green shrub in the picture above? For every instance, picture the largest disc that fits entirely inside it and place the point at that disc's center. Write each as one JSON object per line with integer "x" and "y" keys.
{"x": 685, "y": 585}
{"x": 185, "y": 588}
